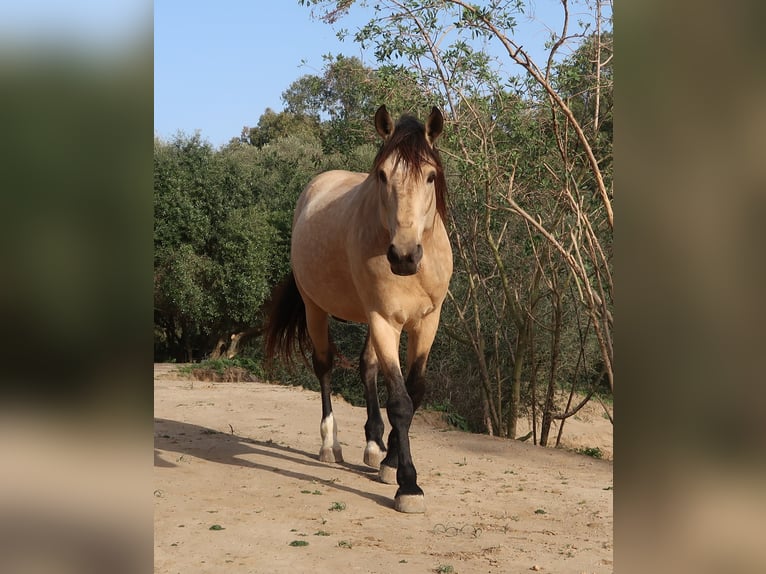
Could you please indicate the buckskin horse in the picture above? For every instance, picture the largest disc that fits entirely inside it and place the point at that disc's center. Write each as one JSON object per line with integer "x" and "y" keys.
{"x": 372, "y": 248}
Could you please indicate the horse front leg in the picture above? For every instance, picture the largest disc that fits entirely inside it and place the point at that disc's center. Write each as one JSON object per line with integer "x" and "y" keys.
{"x": 409, "y": 496}
{"x": 420, "y": 340}
{"x": 375, "y": 450}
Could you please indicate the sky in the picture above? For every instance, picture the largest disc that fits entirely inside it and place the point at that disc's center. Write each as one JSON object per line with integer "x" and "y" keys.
{"x": 93, "y": 24}
{"x": 219, "y": 65}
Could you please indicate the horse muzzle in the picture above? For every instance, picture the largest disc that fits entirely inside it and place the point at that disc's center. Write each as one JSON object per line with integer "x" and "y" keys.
{"x": 404, "y": 263}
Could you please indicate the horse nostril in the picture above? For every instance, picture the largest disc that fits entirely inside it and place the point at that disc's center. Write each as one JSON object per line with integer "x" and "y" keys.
{"x": 418, "y": 255}
{"x": 392, "y": 255}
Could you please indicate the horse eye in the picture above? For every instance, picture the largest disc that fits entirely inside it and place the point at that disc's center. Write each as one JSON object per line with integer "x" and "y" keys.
{"x": 382, "y": 176}
{"x": 431, "y": 177}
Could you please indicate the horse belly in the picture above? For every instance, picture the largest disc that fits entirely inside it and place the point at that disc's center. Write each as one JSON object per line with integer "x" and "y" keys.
{"x": 329, "y": 288}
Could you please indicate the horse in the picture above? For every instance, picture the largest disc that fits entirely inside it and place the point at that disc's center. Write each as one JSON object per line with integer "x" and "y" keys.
{"x": 371, "y": 248}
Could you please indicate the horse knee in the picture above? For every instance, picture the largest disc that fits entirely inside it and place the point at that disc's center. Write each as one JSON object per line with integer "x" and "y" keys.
{"x": 416, "y": 383}
{"x": 400, "y": 410}
{"x": 417, "y": 390}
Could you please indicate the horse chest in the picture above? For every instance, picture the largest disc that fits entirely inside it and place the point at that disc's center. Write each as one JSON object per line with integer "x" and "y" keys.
{"x": 412, "y": 316}
{"x": 406, "y": 306}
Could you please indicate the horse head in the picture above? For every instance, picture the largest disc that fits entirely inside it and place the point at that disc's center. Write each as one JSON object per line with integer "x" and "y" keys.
{"x": 411, "y": 184}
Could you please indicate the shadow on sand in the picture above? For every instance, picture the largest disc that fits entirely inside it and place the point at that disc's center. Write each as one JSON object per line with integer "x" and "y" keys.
{"x": 223, "y": 448}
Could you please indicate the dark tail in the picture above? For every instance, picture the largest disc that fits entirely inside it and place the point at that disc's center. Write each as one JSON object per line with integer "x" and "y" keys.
{"x": 286, "y": 322}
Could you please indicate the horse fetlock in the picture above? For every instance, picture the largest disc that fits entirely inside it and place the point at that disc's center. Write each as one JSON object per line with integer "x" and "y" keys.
{"x": 331, "y": 454}
{"x": 330, "y": 451}
{"x": 373, "y": 455}
{"x": 387, "y": 474}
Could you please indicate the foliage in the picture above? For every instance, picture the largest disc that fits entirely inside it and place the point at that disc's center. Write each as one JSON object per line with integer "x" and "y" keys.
{"x": 213, "y": 257}
{"x": 451, "y": 414}
{"x": 594, "y": 452}
{"x": 223, "y": 365}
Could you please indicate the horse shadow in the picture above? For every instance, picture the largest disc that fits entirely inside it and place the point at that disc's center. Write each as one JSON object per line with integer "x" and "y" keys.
{"x": 229, "y": 448}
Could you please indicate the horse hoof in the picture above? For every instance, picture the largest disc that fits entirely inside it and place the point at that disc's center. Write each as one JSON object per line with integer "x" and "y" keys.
{"x": 331, "y": 455}
{"x": 373, "y": 456}
{"x": 387, "y": 474}
{"x": 410, "y": 503}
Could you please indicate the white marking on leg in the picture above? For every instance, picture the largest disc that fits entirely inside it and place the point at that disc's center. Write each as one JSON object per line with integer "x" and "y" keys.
{"x": 373, "y": 456}
{"x": 330, "y": 451}
{"x": 387, "y": 474}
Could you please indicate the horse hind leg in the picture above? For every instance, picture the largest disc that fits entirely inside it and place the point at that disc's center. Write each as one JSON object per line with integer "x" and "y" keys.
{"x": 317, "y": 322}
{"x": 328, "y": 428}
{"x": 375, "y": 450}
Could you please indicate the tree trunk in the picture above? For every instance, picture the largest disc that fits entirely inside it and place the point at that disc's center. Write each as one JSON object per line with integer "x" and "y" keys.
{"x": 513, "y": 404}
{"x": 238, "y": 339}
{"x": 555, "y": 343}
{"x": 218, "y": 348}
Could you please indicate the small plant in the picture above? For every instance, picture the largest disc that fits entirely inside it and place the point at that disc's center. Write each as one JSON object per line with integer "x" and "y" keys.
{"x": 337, "y": 506}
{"x": 344, "y": 544}
{"x": 216, "y": 527}
{"x": 310, "y": 492}
{"x": 298, "y": 543}
{"x": 595, "y": 452}
{"x": 236, "y": 369}
{"x": 454, "y": 418}
{"x": 540, "y": 511}
{"x": 445, "y": 569}
{"x": 321, "y": 533}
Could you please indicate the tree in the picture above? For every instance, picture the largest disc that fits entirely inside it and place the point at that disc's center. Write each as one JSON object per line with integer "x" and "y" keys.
{"x": 274, "y": 125}
{"x": 213, "y": 263}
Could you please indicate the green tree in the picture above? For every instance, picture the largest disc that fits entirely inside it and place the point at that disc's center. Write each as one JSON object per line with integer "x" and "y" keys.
{"x": 274, "y": 125}
{"x": 213, "y": 261}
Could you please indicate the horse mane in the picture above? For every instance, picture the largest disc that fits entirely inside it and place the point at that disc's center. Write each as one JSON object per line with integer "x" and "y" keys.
{"x": 409, "y": 141}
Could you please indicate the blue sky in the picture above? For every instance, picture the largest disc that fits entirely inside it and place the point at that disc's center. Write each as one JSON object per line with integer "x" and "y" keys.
{"x": 92, "y": 24}
{"x": 219, "y": 65}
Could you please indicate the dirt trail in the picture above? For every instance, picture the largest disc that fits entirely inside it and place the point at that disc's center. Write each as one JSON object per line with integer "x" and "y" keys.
{"x": 243, "y": 456}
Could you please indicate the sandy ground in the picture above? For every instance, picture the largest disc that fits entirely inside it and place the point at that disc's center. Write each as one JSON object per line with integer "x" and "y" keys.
{"x": 239, "y": 488}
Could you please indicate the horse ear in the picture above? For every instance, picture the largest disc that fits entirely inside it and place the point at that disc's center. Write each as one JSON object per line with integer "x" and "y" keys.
{"x": 383, "y": 122}
{"x": 434, "y": 125}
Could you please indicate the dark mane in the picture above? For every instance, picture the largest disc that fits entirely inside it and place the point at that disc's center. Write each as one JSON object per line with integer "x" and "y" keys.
{"x": 409, "y": 141}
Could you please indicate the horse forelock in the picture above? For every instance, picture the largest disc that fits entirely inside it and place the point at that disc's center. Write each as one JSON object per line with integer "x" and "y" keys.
{"x": 410, "y": 144}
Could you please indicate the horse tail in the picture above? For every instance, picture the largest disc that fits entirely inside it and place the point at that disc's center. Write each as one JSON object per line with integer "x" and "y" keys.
{"x": 286, "y": 322}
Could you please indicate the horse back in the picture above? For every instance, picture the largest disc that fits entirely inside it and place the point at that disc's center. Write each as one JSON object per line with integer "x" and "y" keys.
{"x": 319, "y": 257}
